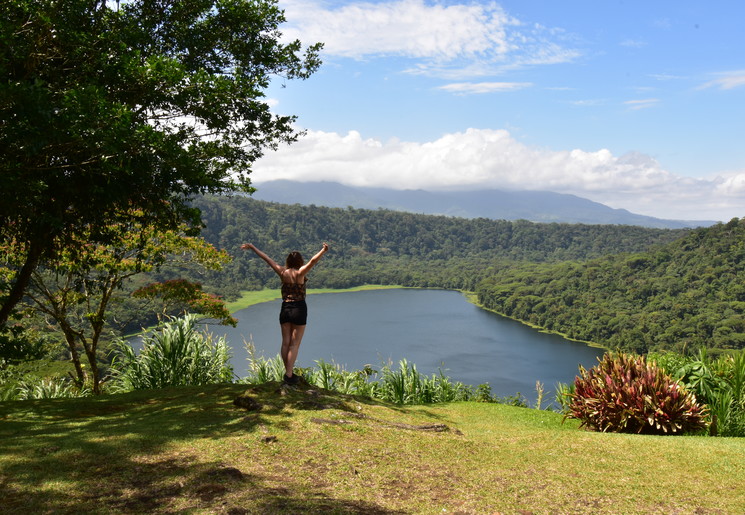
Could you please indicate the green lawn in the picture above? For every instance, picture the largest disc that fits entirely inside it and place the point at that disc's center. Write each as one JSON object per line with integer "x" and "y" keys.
{"x": 191, "y": 450}
{"x": 249, "y": 298}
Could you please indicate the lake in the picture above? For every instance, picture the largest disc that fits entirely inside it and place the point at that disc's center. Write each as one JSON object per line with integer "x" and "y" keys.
{"x": 431, "y": 328}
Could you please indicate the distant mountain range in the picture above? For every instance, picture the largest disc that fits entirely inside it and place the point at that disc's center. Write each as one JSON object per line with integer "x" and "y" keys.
{"x": 535, "y": 206}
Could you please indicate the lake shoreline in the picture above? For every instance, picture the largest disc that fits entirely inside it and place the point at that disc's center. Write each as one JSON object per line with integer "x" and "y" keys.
{"x": 472, "y": 298}
{"x": 251, "y": 298}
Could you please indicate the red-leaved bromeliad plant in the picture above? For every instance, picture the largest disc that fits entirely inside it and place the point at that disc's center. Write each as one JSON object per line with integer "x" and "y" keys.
{"x": 625, "y": 394}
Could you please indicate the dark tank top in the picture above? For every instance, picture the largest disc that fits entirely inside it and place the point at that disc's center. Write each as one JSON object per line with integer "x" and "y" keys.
{"x": 293, "y": 292}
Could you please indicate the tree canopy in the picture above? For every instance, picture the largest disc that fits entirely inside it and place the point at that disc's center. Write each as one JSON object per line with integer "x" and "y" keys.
{"x": 107, "y": 109}
{"x": 381, "y": 246}
{"x": 75, "y": 295}
{"x": 624, "y": 287}
{"x": 685, "y": 295}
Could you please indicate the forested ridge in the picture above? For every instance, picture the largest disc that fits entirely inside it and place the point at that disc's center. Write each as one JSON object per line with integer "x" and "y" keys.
{"x": 687, "y": 294}
{"x": 390, "y": 247}
{"x": 619, "y": 286}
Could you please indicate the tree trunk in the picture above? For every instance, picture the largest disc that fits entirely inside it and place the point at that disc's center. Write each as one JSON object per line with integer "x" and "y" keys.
{"x": 95, "y": 373}
{"x": 21, "y": 281}
{"x": 70, "y": 337}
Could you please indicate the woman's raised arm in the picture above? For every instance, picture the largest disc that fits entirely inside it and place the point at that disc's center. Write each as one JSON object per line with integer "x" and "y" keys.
{"x": 315, "y": 259}
{"x": 269, "y": 261}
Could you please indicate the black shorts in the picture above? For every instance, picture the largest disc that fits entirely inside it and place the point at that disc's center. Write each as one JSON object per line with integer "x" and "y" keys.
{"x": 294, "y": 312}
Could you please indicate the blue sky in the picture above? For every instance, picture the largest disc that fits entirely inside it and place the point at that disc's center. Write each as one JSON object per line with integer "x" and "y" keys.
{"x": 636, "y": 104}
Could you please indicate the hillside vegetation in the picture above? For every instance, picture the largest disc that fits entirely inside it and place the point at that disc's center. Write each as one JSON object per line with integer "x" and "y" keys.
{"x": 689, "y": 294}
{"x": 308, "y": 450}
{"x": 623, "y": 287}
{"x": 389, "y": 247}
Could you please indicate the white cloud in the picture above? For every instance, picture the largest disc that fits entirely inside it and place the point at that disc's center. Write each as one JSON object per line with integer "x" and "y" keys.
{"x": 731, "y": 185}
{"x": 633, "y": 43}
{"x": 478, "y": 159}
{"x": 642, "y": 104}
{"x": 461, "y": 39}
{"x": 588, "y": 102}
{"x": 469, "y": 88}
{"x": 728, "y": 80}
{"x": 663, "y": 77}
{"x": 408, "y": 28}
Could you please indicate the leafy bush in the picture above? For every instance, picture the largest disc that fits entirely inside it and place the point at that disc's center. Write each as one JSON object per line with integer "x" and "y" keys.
{"x": 332, "y": 376}
{"x": 408, "y": 386}
{"x": 719, "y": 383}
{"x": 405, "y": 385}
{"x": 174, "y": 354}
{"x": 563, "y": 393}
{"x": 625, "y": 394}
{"x": 49, "y": 388}
{"x": 262, "y": 370}
{"x": 33, "y": 380}
{"x": 518, "y": 400}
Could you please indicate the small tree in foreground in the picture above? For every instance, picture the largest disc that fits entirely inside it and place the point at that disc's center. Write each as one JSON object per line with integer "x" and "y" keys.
{"x": 185, "y": 297}
{"x": 625, "y": 394}
{"x": 75, "y": 291}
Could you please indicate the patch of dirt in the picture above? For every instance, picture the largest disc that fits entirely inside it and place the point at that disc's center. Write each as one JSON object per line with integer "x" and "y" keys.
{"x": 300, "y": 396}
{"x": 248, "y": 403}
{"x": 433, "y": 428}
{"x": 208, "y": 491}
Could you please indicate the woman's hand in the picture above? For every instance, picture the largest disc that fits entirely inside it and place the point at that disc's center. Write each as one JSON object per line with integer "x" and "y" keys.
{"x": 248, "y": 246}
{"x": 325, "y": 247}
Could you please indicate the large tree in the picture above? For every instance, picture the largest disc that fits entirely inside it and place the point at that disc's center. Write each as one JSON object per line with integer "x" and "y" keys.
{"x": 106, "y": 109}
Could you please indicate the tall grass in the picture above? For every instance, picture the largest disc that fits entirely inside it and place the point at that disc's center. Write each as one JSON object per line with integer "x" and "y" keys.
{"x": 401, "y": 385}
{"x": 22, "y": 383}
{"x": 31, "y": 387}
{"x": 261, "y": 370}
{"x": 719, "y": 383}
{"x": 174, "y": 354}
{"x": 50, "y": 388}
{"x": 406, "y": 385}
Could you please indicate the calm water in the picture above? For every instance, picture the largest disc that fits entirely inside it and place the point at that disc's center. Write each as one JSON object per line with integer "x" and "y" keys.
{"x": 431, "y": 328}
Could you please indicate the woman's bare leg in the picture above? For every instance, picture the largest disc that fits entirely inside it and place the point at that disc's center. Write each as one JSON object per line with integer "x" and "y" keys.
{"x": 292, "y": 335}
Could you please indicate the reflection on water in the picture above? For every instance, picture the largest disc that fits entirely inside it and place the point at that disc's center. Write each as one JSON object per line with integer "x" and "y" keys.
{"x": 432, "y": 328}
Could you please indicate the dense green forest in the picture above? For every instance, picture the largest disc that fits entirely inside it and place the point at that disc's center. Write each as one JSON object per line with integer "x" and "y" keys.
{"x": 685, "y": 295}
{"x": 623, "y": 287}
{"x": 390, "y": 247}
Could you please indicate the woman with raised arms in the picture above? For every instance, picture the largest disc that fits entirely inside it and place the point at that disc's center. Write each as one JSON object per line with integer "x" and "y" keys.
{"x": 293, "y": 315}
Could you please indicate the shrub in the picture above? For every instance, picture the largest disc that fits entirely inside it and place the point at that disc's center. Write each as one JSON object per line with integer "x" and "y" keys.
{"x": 262, "y": 370}
{"x": 33, "y": 380}
{"x": 49, "y": 388}
{"x": 517, "y": 400}
{"x": 405, "y": 385}
{"x": 174, "y": 354}
{"x": 718, "y": 382}
{"x": 409, "y": 386}
{"x": 625, "y": 394}
{"x": 562, "y": 396}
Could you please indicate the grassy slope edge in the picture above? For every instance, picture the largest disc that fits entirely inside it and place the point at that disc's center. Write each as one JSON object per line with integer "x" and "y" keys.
{"x": 308, "y": 450}
{"x": 250, "y": 298}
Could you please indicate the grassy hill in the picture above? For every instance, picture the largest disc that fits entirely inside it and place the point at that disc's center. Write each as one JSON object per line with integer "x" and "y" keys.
{"x": 308, "y": 451}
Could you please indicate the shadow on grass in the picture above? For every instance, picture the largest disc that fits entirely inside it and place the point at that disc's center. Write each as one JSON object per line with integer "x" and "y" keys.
{"x": 106, "y": 454}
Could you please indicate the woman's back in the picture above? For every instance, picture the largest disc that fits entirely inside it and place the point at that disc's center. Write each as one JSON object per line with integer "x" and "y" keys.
{"x": 293, "y": 285}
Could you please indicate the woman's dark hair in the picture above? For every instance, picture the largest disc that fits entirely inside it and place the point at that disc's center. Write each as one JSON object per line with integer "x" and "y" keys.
{"x": 294, "y": 260}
